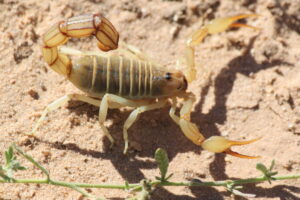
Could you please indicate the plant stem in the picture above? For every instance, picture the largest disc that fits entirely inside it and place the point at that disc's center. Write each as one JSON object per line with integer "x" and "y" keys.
{"x": 29, "y": 158}
{"x": 234, "y": 182}
{"x": 68, "y": 184}
{"x": 166, "y": 183}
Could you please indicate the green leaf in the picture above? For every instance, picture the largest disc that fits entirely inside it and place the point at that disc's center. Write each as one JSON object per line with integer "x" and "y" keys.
{"x": 261, "y": 167}
{"x": 268, "y": 173}
{"x": 272, "y": 165}
{"x": 15, "y": 166}
{"x": 11, "y": 165}
{"x": 162, "y": 160}
{"x": 9, "y": 154}
{"x": 239, "y": 193}
{"x": 235, "y": 190}
{"x": 5, "y": 177}
{"x": 169, "y": 176}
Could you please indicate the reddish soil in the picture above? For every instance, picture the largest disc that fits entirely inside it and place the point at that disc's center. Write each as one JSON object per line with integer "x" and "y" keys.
{"x": 249, "y": 88}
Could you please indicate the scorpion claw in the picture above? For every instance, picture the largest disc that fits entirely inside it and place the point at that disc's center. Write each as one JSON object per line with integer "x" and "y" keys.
{"x": 244, "y": 25}
{"x": 221, "y": 24}
{"x": 219, "y": 144}
{"x": 236, "y": 154}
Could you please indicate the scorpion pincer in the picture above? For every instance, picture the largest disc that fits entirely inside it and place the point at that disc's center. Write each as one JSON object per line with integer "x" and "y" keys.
{"x": 130, "y": 79}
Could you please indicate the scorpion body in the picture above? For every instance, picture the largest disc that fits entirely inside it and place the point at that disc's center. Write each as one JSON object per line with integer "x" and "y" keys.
{"x": 114, "y": 80}
{"x": 126, "y": 77}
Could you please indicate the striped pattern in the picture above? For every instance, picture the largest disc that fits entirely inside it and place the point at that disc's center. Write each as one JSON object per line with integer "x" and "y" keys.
{"x": 77, "y": 27}
{"x": 129, "y": 78}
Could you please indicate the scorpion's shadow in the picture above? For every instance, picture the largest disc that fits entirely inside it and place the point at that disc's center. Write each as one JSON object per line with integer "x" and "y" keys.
{"x": 224, "y": 81}
{"x": 167, "y": 134}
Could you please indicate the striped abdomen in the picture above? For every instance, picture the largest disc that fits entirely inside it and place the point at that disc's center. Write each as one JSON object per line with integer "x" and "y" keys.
{"x": 129, "y": 78}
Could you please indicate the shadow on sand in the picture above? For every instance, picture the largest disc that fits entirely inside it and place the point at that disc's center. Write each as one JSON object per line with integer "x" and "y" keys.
{"x": 167, "y": 135}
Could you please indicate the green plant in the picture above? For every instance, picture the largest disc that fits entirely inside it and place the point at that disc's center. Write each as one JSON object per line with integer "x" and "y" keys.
{"x": 144, "y": 188}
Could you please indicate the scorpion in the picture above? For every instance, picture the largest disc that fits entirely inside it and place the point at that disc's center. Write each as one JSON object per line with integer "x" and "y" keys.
{"x": 130, "y": 79}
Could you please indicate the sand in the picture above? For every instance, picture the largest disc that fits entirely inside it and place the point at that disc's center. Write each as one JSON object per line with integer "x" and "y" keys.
{"x": 248, "y": 87}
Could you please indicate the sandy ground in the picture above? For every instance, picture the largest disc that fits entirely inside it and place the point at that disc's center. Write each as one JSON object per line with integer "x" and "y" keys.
{"x": 253, "y": 91}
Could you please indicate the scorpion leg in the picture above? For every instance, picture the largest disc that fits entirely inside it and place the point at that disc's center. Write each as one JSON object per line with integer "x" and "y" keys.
{"x": 216, "y": 144}
{"x": 60, "y": 102}
{"x": 189, "y": 129}
{"x": 141, "y": 106}
{"x": 134, "y": 115}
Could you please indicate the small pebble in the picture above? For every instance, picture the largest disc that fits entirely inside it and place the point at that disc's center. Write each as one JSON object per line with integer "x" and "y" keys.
{"x": 33, "y": 94}
{"x": 13, "y": 81}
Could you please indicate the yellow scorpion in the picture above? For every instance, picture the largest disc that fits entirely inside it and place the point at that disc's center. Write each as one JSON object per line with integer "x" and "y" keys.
{"x": 115, "y": 80}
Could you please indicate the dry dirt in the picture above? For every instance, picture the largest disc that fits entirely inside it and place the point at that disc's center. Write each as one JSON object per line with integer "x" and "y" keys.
{"x": 253, "y": 91}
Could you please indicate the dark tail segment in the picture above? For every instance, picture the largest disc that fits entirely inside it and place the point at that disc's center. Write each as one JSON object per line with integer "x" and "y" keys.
{"x": 77, "y": 27}
{"x": 106, "y": 33}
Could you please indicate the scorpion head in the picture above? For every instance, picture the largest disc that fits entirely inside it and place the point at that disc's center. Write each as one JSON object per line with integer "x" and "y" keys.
{"x": 171, "y": 84}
